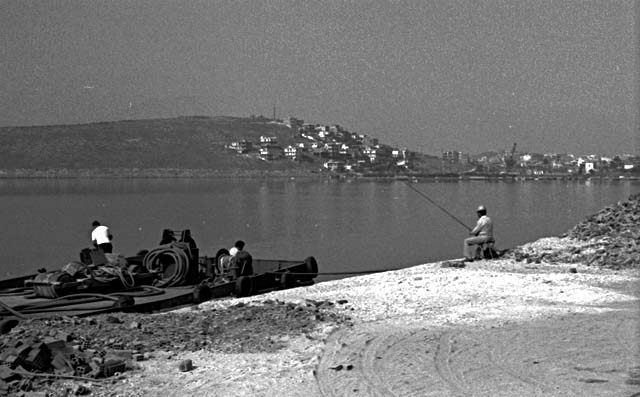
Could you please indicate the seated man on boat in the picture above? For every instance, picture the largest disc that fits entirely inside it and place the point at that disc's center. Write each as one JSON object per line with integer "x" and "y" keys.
{"x": 233, "y": 263}
{"x": 482, "y": 234}
{"x": 241, "y": 261}
{"x": 237, "y": 246}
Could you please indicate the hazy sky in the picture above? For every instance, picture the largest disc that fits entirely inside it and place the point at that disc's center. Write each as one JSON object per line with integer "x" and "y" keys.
{"x": 554, "y": 76}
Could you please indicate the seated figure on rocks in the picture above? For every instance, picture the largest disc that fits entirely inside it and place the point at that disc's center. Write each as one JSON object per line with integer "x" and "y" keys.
{"x": 482, "y": 233}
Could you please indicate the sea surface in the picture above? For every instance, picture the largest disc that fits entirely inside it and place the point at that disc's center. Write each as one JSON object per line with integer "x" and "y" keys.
{"x": 347, "y": 225}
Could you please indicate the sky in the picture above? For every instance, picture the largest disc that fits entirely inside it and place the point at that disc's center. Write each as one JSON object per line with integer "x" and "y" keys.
{"x": 473, "y": 76}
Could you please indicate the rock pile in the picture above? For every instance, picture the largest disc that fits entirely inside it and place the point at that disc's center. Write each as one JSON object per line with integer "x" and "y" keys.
{"x": 101, "y": 346}
{"x": 608, "y": 239}
{"x": 621, "y": 220}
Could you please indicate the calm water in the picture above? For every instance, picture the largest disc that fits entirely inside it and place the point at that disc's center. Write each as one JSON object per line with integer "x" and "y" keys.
{"x": 346, "y": 225}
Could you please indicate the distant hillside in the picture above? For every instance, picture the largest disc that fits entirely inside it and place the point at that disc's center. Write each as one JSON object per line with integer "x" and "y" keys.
{"x": 181, "y": 146}
{"x": 135, "y": 145}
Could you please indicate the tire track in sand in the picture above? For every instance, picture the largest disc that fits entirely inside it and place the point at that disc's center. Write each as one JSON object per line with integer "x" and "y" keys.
{"x": 572, "y": 355}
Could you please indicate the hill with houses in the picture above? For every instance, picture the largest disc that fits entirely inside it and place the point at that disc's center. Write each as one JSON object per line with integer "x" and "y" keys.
{"x": 199, "y": 146}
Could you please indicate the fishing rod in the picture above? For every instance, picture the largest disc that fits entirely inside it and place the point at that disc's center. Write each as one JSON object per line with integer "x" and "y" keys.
{"x": 437, "y": 205}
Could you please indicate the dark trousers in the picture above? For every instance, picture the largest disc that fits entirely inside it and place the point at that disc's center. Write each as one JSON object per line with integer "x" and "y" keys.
{"x": 107, "y": 248}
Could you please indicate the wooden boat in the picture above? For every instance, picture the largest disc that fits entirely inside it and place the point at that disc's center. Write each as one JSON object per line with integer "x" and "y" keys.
{"x": 155, "y": 288}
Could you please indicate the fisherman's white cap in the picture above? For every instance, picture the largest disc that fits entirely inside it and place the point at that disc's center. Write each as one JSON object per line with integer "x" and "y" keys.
{"x": 481, "y": 208}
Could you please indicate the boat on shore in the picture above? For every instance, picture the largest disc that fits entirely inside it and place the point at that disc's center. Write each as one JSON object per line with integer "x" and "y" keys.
{"x": 166, "y": 277}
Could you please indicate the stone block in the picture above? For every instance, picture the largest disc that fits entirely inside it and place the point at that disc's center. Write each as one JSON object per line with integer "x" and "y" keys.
{"x": 38, "y": 359}
{"x": 113, "y": 366}
{"x": 185, "y": 366}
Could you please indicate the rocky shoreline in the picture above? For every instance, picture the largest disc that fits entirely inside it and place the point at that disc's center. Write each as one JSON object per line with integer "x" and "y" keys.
{"x": 328, "y": 337}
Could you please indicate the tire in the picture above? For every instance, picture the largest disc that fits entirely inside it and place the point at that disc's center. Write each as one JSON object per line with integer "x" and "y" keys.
{"x": 202, "y": 293}
{"x": 311, "y": 267}
{"x": 244, "y": 286}
{"x": 221, "y": 252}
{"x": 8, "y": 324}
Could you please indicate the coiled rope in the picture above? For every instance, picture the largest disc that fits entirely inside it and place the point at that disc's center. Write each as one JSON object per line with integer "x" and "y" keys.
{"x": 159, "y": 259}
{"x": 144, "y": 290}
{"x": 74, "y": 300}
{"x": 12, "y": 310}
{"x": 124, "y": 275}
{"x": 57, "y": 304}
{"x": 16, "y": 291}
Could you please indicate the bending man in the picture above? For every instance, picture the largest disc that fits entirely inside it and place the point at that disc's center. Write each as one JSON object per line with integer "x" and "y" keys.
{"x": 482, "y": 233}
{"x": 101, "y": 237}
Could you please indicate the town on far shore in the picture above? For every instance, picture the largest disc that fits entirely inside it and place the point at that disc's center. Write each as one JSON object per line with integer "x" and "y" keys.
{"x": 344, "y": 153}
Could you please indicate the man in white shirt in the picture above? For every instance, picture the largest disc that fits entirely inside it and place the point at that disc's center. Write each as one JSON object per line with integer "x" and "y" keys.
{"x": 101, "y": 237}
{"x": 240, "y": 260}
{"x": 483, "y": 233}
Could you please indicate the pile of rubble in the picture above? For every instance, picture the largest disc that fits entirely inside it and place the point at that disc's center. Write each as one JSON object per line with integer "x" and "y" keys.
{"x": 621, "y": 220}
{"x": 608, "y": 239}
{"x": 102, "y": 346}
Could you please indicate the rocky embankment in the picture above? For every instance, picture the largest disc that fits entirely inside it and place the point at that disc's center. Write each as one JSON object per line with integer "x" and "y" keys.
{"x": 608, "y": 239}
{"x": 98, "y": 349}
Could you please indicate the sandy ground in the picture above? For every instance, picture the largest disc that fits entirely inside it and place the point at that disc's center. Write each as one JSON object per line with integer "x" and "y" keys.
{"x": 491, "y": 328}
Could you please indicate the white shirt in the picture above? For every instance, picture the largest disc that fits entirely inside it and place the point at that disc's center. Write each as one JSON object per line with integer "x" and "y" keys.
{"x": 100, "y": 235}
{"x": 484, "y": 227}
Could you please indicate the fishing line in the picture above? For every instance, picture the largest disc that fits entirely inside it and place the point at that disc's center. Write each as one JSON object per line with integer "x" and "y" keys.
{"x": 337, "y": 273}
{"x": 437, "y": 205}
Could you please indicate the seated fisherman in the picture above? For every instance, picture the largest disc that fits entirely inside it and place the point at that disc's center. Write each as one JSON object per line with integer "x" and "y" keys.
{"x": 482, "y": 233}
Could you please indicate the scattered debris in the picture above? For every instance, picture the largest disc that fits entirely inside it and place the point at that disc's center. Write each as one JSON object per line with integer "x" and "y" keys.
{"x": 106, "y": 346}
